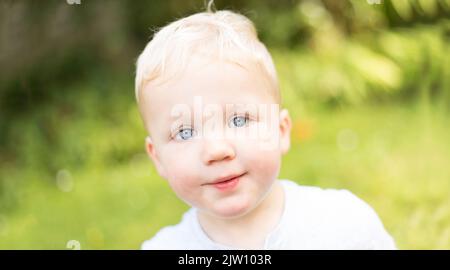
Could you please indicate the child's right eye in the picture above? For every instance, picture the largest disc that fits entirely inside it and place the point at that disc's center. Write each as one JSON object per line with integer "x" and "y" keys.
{"x": 184, "y": 134}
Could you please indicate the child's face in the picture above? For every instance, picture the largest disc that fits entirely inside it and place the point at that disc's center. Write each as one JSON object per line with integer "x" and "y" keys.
{"x": 224, "y": 133}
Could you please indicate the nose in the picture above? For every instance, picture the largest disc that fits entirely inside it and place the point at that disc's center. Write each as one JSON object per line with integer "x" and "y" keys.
{"x": 217, "y": 150}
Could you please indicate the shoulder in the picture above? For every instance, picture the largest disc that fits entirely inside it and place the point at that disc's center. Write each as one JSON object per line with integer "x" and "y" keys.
{"x": 340, "y": 215}
{"x": 179, "y": 236}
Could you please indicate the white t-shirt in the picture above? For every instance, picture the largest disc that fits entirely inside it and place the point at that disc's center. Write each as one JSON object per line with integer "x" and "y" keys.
{"x": 313, "y": 218}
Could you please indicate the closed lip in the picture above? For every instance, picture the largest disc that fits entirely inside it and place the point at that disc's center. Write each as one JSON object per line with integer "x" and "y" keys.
{"x": 226, "y": 178}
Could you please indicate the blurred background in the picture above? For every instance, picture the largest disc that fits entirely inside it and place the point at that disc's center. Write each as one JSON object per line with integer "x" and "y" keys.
{"x": 366, "y": 82}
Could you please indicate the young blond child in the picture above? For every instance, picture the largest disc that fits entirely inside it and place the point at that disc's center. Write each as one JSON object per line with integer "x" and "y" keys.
{"x": 209, "y": 97}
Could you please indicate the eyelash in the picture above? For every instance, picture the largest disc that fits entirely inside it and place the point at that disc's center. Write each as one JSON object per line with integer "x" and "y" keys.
{"x": 182, "y": 128}
{"x": 246, "y": 117}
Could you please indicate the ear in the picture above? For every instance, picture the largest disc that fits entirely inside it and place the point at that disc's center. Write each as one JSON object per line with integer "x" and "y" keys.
{"x": 151, "y": 152}
{"x": 285, "y": 131}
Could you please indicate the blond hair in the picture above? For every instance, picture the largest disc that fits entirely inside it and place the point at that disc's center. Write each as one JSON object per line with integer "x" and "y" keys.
{"x": 222, "y": 35}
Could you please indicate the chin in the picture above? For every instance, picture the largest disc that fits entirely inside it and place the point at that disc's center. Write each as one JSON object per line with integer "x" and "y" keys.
{"x": 232, "y": 211}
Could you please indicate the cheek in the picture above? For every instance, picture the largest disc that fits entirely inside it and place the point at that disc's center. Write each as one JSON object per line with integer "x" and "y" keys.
{"x": 268, "y": 164}
{"x": 182, "y": 170}
{"x": 262, "y": 163}
{"x": 262, "y": 152}
{"x": 264, "y": 136}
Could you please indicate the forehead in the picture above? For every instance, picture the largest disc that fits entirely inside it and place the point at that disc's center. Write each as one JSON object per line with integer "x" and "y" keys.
{"x": 218, "y": 83}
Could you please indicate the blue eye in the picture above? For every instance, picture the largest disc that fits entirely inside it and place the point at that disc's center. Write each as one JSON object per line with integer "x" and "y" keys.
{"x": 239, "y": 121}
{"x": 185, "y": 134}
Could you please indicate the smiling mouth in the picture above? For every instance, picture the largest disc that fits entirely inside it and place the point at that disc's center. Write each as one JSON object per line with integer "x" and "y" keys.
{"x": 227, "y": 179}
{"x": 228, "y": 182}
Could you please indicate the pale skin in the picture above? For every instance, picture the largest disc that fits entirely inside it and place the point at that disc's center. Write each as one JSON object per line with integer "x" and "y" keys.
{"x": 241, "y": 217}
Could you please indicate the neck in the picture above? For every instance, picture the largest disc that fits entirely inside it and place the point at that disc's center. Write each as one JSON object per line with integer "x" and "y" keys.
{"x": 248, "y": 231}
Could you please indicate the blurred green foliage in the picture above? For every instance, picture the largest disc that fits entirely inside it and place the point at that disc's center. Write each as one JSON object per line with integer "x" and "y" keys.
{"x": 367, "y": 85}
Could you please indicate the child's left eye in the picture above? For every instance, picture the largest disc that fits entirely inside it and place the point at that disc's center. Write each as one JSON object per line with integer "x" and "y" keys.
{"x": 239, "y": 121}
